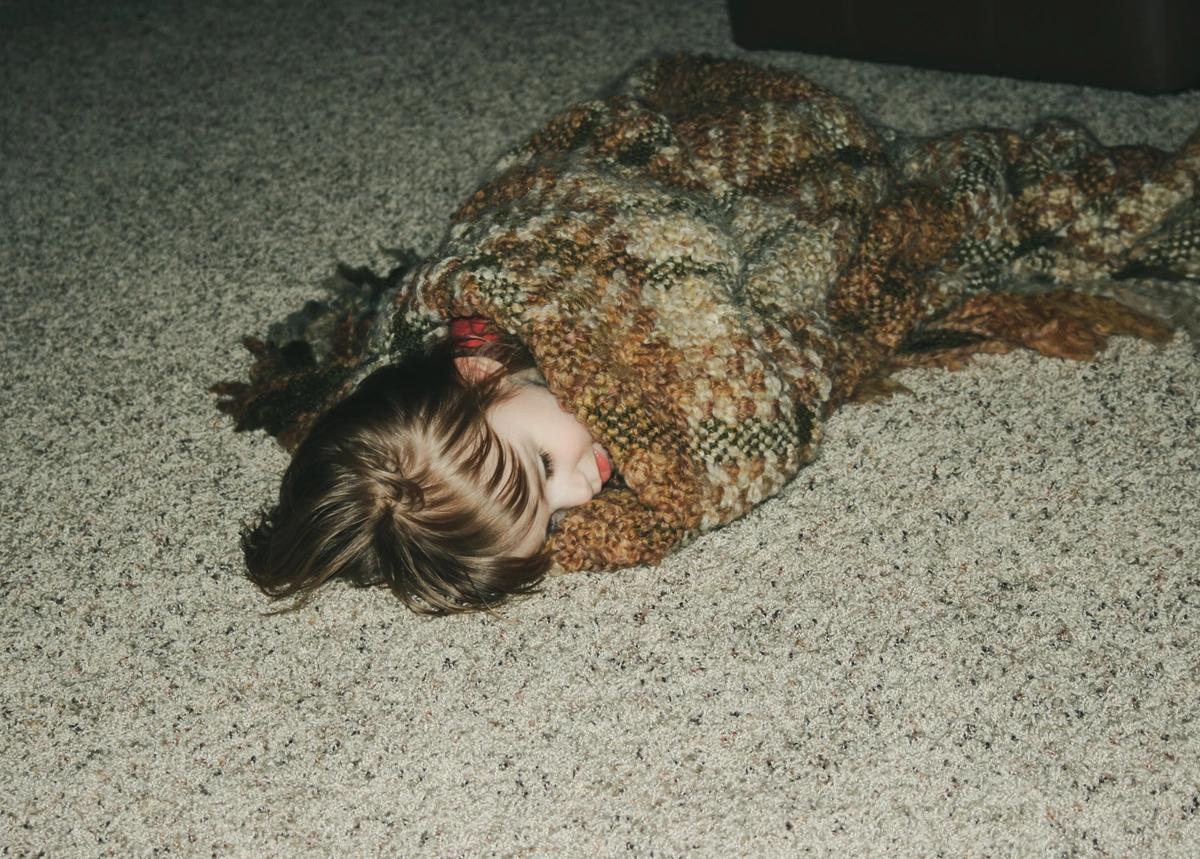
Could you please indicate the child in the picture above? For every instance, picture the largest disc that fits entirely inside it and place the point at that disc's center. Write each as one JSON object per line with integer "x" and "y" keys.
{"x": 684, "y": 278}
{"x": 438, "y": 476}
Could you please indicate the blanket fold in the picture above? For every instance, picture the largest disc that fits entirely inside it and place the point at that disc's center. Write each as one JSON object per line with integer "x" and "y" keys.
{"x": 709, "y": 260}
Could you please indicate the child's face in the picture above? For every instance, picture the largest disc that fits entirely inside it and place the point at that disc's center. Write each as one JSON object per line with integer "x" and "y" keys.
{"x": 566, "y": 467}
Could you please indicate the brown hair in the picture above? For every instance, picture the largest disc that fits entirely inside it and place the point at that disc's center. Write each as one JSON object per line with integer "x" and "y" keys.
{"x": 397, "y": 485}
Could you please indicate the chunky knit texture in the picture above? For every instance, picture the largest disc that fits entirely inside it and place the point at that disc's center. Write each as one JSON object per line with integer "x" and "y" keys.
{"x": 709, "y": 260}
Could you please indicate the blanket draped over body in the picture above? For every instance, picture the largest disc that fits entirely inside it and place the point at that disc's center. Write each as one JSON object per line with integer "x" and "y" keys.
{"x": 709, "y": 260}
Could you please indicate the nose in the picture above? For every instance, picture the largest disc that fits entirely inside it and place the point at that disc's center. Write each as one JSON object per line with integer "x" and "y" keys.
{"x": 575, "y": 489}
{"x": 583, "y": 490}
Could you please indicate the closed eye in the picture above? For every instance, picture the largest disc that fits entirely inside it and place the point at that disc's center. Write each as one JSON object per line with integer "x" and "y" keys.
{"x": 548, "y": 464}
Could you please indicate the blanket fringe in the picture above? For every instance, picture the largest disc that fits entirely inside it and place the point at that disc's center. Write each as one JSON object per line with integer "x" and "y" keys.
{"x": 307, "y": 362}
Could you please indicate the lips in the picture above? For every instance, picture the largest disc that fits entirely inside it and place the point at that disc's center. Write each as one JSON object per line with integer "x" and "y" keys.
{"x": 603, "y": 464}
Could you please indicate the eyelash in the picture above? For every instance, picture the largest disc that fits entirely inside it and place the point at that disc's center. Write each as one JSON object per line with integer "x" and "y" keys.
{"x": 548, "y": 463}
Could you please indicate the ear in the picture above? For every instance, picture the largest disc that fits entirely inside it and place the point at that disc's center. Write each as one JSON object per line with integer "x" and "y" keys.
{"x": 475, "y": 368}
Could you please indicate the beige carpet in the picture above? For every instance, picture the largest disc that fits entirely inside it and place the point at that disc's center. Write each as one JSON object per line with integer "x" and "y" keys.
{"x": 969, "y": 629}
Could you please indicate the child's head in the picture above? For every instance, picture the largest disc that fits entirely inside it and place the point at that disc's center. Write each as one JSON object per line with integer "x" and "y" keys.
{"x": 437, "y": 476}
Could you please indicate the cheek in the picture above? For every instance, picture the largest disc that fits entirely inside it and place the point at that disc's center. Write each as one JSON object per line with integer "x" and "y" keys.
{"x": 582, "y": 432}
{"x": 565, "y": 429}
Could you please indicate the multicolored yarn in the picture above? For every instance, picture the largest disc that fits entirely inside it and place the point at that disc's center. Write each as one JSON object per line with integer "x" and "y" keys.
{"x": 710, "y": 260}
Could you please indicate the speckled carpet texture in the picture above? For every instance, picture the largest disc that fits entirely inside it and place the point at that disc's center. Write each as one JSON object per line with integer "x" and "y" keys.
{"x": 970, "y": 628}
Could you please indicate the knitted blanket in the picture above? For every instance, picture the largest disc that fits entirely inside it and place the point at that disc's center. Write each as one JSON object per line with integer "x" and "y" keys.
{"x": 709, "y": 259}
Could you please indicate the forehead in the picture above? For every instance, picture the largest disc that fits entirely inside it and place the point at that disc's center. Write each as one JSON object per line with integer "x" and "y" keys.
{"x": 529, "y": 529}
{"x": 535, "y": 536}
